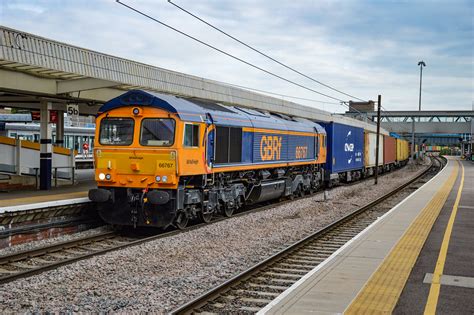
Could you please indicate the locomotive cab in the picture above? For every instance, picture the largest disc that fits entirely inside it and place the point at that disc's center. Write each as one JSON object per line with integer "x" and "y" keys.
{"x": 138, "y": 152}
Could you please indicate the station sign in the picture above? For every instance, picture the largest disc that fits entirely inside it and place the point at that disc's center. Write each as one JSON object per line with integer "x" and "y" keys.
{"x": 35, "y": 116}
{"x": 72, "y": 110}
{"x": 53, "y": 116}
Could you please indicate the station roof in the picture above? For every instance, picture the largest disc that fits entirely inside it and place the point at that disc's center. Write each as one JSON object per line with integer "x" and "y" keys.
{"x": 34, "y": 69}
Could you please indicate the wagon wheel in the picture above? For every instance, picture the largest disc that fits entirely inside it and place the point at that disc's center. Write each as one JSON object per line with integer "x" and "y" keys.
{"x": 181, "y": 220}
{"x": 205, "y": 217}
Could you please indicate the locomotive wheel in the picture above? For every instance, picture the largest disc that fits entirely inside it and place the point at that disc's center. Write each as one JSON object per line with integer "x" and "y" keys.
{"x": 228, "y": 211}
{"x": 181, "y": 220}
{"x": 205, "y": 217}
{"x": 301, "y": 192}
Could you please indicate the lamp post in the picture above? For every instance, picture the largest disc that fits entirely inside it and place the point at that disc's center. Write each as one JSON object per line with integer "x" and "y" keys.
{"x": 421, "y": 64}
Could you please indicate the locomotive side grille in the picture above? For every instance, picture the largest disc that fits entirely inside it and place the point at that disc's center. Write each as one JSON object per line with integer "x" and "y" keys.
{"x": 228, "y": 145}
{"x": 235, "y": 149}
{"x": 222, "y": 145}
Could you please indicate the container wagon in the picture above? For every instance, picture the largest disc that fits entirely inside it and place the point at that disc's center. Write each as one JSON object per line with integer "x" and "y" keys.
{"x": 370, "y": 152}
{"x": 403, "y": 152}
{"x": 389, "y": 153}
{"x": 345, "y": 153}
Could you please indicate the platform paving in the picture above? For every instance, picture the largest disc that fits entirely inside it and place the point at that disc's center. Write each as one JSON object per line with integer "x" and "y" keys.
{"x": 345, "y": 279}
{"x": 456, "y": 295}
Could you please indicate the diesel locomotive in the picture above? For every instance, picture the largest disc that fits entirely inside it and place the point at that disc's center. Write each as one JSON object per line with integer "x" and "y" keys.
{"x": 162, "y": 160}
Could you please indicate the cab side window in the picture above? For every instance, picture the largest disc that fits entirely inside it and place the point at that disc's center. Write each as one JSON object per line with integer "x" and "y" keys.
{"x": 191, "y": 135}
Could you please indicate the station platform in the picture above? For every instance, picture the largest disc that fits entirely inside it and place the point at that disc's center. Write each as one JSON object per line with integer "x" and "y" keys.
{"x": 34, "y": 199}
{"x": 417, "y": 258}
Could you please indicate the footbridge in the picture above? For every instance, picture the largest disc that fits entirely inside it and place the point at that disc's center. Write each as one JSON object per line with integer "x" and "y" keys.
{"x": 433, "y": 127}
{"x": 44, "y": 74}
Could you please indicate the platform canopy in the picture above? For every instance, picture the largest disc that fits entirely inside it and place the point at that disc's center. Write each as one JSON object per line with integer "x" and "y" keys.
{"x": 33, "y": 68}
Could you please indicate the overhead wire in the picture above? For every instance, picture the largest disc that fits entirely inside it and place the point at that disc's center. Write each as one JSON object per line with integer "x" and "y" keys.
{"x": 226, "y": 53}
{"x": 341, "y": 102}
{"x": 282, "y": 95}
{"x": 262, "y": 53}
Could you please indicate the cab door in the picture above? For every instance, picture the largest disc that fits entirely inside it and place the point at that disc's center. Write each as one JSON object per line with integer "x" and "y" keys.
{"x": 211, "y": 134}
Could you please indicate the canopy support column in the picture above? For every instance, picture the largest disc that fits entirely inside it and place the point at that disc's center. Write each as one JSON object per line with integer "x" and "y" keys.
{"x": 46, "y": 147}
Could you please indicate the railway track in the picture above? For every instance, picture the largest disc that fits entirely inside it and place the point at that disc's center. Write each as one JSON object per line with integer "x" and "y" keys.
{"x": 254, "y": 288}
{"x": 26, "y": 263}
{"x": 83, "y": 213}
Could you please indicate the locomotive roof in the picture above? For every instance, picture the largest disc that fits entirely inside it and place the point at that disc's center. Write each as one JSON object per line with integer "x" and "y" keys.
{"x": 197, "y": 110}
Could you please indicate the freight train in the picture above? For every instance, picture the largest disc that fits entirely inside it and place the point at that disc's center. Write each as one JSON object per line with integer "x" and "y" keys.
{"x": 163, "y": 160}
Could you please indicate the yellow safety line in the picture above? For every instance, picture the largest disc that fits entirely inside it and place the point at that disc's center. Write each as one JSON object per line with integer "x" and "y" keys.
{"x": 380, "y": 294}
{"x": 432, "y": 301}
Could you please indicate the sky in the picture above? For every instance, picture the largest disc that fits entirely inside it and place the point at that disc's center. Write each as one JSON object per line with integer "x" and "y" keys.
{"x": 363, "y": 48}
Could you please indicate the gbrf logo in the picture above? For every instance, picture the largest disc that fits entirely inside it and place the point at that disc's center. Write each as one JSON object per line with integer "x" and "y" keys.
{"x": 270, "y": 148}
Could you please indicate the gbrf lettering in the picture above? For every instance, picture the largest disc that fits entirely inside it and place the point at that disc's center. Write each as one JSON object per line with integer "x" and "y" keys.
{"x": 270, "y": 148}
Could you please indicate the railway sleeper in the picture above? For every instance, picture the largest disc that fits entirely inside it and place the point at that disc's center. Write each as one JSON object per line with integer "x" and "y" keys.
{"x": 258, "y": 293}
{"x": 295, "y": 265}
{"x": 322, "y": 245}
{"x": 280, "y": 275}
{"x": 91, "y": 249}
{"x": 312, "y": 255}
{"x": 305, "y": 261}
{"x": 75, "y": 252}
{"x": 23, "y": 266}
{"x": 292, "y": 270}
{"x": 43, "y": 261}
{"x": 281, "y": 281}
{"x": 353, "y": 230}
{"x": 267, "y": 288}
{"x": 4, "y": 272}
{"x": 316, "y": 253}
{"x": 59, "y": 256}
{"x": 273, "y": 281}
{"x": 328, "y": 243}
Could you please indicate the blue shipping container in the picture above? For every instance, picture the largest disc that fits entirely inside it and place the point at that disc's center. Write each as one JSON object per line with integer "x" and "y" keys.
{"x": 345, "y": 147}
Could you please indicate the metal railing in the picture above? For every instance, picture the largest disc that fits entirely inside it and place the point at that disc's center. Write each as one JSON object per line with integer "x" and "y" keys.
{"x": 55, "y": 175}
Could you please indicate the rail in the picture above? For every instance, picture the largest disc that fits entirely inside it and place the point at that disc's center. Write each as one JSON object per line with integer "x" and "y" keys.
{"x": 23, "y": 264}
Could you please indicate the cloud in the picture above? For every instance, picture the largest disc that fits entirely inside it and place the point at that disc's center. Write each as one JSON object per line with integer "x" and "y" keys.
{"x": 364, "y": 48}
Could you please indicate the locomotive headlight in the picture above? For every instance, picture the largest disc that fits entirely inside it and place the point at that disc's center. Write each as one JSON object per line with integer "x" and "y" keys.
{"x": 101, "y": 176}
{"x": 136, "y": 111}
{"x": 108, "y": 177}
{"x": 164, "y": 179}
{"x": 157, "y": 178}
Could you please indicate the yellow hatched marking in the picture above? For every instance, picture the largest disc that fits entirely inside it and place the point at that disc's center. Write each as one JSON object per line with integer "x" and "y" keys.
{"x": 432, "y": 301}
{"x": 380, "y": 294}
